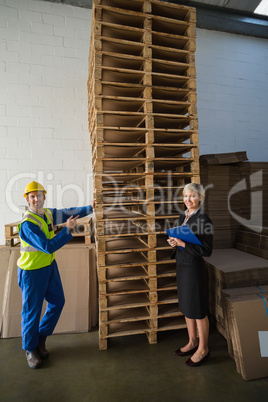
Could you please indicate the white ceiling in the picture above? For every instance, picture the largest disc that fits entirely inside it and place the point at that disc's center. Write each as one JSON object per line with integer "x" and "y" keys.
{"x": 242, "y": 5}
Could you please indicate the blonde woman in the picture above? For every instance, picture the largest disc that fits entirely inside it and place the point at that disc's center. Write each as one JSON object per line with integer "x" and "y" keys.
{"x": 191, "y": 275}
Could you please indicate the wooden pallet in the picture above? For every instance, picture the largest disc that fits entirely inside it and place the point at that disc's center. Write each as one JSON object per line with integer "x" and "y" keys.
{"x": 11, "y": 234}
{"x": 144, "y": 136}
{"x": 83, "y": 231}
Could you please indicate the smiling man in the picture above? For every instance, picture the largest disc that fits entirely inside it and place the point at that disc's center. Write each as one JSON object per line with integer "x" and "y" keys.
{"x": 38, "y": 274}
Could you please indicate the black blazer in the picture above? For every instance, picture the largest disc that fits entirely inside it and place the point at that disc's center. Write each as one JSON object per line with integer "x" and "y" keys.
{"x": 201, "y": 225}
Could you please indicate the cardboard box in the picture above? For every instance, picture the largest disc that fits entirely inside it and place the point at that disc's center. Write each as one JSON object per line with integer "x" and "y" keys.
{"x": 228, "y": 269}
{"x": 247, "y": 323}
{"x": 4, "y": 281}
{"x": 77, "y": 266}
{"x": 234, "y": 268}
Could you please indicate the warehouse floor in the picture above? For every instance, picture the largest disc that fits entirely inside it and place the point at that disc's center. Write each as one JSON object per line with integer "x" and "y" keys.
{"x": 129, "y": 370}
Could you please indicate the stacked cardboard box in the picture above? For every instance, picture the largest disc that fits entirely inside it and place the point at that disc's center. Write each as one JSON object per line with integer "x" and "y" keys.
{"x": 253, "y": 240}
{"x": 246, "y": 317}
{"x": 237, "y": 194}
{"x": 144, "y": 135}
{"x": 218, "y": 181}
{"x": 77, "y": 267}
{"x": 219, "y": 173}
{"x": 254, "y": 193}
{"x": 227, "y": 269}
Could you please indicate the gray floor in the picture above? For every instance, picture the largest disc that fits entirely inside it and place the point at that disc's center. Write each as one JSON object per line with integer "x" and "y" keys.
{"x": 129, "y": 370}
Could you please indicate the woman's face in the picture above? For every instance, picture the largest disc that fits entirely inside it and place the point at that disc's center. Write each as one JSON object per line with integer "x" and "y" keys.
{"x": 191, "y": 199}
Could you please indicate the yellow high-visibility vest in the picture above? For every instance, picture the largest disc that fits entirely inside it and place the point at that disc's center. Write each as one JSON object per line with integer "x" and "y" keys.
{"x": 30, "y": 257}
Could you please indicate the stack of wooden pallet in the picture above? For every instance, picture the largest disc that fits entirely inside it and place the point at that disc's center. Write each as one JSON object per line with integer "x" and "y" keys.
{"x": 83, "y": 231}
{"x": 144, "y": 135}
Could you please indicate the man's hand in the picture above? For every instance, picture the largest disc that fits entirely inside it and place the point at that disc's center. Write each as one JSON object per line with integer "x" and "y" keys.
{"x": 71, "y": 222}
{"x": 93, "y": 204}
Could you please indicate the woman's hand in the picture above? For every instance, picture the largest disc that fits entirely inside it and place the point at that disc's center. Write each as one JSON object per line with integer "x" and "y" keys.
{"x": 71, "y": 222}
{"x": 173, "y": 242}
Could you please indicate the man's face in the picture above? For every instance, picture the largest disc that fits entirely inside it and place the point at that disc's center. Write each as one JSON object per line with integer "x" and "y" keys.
{"x": 36, "y": 201}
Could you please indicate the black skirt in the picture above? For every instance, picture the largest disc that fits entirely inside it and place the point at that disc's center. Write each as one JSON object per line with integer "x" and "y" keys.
{"x": 190, "y": 267}
{"x": 192, "y": 289}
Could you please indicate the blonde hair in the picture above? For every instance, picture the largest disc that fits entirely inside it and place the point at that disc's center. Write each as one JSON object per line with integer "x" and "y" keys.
{"x": 197, "y": 188}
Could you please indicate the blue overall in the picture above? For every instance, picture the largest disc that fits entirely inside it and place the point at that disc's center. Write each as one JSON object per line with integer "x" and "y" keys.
{"x": 42, "y": 284}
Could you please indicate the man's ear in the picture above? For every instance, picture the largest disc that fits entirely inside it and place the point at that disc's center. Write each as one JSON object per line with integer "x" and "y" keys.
{"x": 44, "y": 197}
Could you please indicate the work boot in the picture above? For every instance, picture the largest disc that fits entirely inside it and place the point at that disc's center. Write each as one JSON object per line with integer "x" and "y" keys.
{"x": 33, "y": 358}
{"x": 43, "y": 352}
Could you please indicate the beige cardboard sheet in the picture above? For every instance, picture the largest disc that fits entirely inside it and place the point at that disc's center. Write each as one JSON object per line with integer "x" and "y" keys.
{"x": 77, "y": 266}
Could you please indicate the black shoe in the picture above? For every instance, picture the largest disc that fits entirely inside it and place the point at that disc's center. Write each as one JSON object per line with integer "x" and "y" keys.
{"x": 42, "y": 349}
{"x": 33, "y": 359}
{"x": 190, "y": 363}
{"x": 178, "y": 352}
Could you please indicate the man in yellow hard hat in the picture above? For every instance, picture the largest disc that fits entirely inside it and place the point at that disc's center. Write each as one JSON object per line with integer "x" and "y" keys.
{"x": 38, "y": 274}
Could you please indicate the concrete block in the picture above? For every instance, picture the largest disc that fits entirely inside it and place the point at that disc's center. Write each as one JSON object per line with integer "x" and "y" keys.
{"x": 82, "y": 155}
{"x": 33, "y": 16}
{"x": 77, "y": 23}
{"x": 9, "y": 12}
{"x": 74, "y": 42}
{"x": 28, "y": 37}
{"x": 67, "y": 133}
{"x": 3, "y": 153}
{"x": 16, "y": 110}
{"x": 2, "y": 110}
{"x": 52, "y": 40}
{"x": 72, "y": 144}
{"x": 22, "y": 25}
{"x": 8, "y": 121}
{"x": 40, "y": 6}
{"x": 64, "y": 154}
{"x": 2, "y": 22}
{"x": 42, "y": 133}
{"x": 65, "y": 52}
{"x": 73, "y": 165}
{"x": 26, "y": 100}
{"x": 16, "y": 132}
{"x": 7, "y": 164}
{"x": 6, "y": 34}
{"x": 56, "y": 20}
{"x": 84, "y": 33}
{"x": 83, "y": 13}
{"x": 52, "y": 78}
{"x": 51, "y": 144}
{"x": 60, "y": 9}
{"x": 38, "y": 90}
{"x": 48, "y": 163}
{"x": 29, "y": 79}
{"x": 28, "y": 121}
{"x": 50, "y": 122}
{"x": 29, "y": 57}
{"x": 65, "y": 32}
{"x": 43, "y": 29}
{"x": 21, "y": 4}
{"x": 30, "y": 165}
{"x": 9, "y": 77}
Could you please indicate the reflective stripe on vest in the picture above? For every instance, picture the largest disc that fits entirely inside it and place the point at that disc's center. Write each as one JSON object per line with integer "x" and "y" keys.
{"x": 32, "y": 258}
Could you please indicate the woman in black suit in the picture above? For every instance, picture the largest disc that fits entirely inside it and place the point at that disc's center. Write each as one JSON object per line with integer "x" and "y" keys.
{"x": 191, "y": 274}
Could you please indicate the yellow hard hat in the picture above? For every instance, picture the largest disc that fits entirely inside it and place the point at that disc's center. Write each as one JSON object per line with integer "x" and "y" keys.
{"x": 33, "y": 186}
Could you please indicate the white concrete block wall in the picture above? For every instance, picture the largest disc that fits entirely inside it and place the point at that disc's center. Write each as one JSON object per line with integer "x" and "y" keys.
{"x": 232, "y": 94}
{"x": 44, "y": 51}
